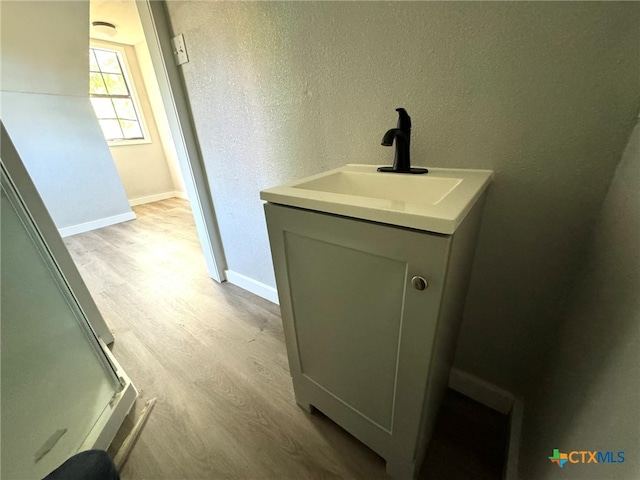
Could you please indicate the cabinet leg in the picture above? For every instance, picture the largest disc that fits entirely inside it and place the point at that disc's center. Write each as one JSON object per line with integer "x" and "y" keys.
{"x": 402, "y": 469}
{"x": 306, "y": 406}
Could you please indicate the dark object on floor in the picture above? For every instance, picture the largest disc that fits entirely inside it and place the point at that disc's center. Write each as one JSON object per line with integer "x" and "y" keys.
{"x": 469, "y": 441}
{"x": 89, "y": 465}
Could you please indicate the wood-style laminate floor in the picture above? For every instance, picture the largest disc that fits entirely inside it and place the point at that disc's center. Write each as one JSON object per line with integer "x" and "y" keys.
{"x": 214, "y": 356}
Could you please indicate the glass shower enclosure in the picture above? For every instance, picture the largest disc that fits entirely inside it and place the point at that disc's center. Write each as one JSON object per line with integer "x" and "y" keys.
{"x": 61, "y": 391}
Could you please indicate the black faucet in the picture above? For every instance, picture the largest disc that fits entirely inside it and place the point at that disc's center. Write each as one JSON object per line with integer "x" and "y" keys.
{"x": 402, "y": 136}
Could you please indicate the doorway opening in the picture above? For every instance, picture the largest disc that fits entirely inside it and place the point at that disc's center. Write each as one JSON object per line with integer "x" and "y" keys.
{"x": 156, "y": 158}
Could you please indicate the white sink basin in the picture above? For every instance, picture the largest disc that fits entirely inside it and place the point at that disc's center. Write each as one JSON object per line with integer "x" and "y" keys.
{"x": 437, "y": 201}
{"x": 401, "y": 188}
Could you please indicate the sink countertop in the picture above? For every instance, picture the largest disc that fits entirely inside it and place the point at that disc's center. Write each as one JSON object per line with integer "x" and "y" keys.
{"x": 436, "y": 202}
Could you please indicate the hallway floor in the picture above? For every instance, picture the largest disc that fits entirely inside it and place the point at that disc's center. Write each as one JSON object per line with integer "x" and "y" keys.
{"x": 214, "y": 356}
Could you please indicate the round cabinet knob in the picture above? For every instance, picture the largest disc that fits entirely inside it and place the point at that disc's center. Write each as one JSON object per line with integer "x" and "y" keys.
{"x": 419, "y": 283}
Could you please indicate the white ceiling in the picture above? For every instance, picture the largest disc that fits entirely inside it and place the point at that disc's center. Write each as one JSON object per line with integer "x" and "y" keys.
{"x": 123, "y": 14}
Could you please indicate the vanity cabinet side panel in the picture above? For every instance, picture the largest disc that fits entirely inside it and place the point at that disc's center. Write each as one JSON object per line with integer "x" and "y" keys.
{"x": 278, "y": 256}
{"x": 459, "y": 265}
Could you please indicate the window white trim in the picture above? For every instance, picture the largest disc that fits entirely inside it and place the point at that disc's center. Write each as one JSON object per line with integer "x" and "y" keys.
{"x": 126, "y": 143}
{"x": 127, "y": 72}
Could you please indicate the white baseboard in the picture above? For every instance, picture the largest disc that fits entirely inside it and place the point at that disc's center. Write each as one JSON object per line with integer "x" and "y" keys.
{"x": 152, "y": 198}
{"x": 513, "y": 446}
{"x": 481, "y": 391}
{"x": 253, "y": 286}
{"x": 181, "y": 194}
{"x": 95, "y": 224}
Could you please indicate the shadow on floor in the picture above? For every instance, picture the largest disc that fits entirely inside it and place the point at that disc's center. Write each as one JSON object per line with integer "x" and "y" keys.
{"x": 469, "y": 442}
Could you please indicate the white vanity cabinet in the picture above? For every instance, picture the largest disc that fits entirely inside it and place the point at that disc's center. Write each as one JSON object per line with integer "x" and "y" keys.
{"x": 371, "y": 314}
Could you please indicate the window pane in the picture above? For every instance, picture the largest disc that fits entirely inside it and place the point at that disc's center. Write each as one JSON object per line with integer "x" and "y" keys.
{"x": 111, "y": 129}
{"x": 103, "y": 107}
{"x": 108, "y": 61}
{"x": 130, "y": 129}
{"x": 93, "y": 64}
{"x": 124, "y": 107}
{"x": 111, "y": 97}
{"x": 115, "y": 84}
{"x": 96, "y": 84}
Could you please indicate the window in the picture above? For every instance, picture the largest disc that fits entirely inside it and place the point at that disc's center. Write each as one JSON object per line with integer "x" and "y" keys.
{"x": 112, "y": 98}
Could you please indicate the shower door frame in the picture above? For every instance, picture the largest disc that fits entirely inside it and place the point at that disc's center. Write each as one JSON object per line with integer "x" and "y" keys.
{"x": 16, "y": 181}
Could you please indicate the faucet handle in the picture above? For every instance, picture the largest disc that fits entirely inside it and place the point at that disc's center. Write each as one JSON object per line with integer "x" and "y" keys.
{"x": 404, "y": 120}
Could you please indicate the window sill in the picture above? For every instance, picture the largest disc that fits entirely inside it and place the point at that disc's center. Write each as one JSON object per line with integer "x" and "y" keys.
{"x": 127, "y": 143}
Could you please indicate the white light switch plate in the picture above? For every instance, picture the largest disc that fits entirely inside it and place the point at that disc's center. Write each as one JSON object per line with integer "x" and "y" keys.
{"x": 179, "y": 50}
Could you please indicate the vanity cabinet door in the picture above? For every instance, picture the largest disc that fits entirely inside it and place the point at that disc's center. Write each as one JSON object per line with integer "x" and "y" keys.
{"x": 359, "y": 329}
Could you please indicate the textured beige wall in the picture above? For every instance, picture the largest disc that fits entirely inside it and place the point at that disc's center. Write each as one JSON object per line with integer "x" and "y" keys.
{"x": 587, "y": 396}
{"x": 544, "y": 93}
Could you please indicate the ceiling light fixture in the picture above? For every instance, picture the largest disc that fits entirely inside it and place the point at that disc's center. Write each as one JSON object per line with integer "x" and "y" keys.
{"x": 105, "y": 28}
